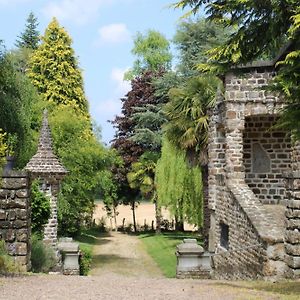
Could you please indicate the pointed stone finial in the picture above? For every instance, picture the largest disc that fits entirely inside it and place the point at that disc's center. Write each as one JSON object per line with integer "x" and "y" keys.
{"x": 44, "y": 161}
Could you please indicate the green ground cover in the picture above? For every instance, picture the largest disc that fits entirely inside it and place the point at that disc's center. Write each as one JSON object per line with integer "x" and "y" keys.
{"x": 162, "y": 249}
{"x": 87, "y": 239}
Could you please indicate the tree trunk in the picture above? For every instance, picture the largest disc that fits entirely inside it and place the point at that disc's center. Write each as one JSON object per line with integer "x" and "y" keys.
{"x": 115, "y": 217}
{"x": 206, "y": 210}
{"x": 179, "y": 226}
{"x": 133, "y": 215}
{"x": 158, "y": 217}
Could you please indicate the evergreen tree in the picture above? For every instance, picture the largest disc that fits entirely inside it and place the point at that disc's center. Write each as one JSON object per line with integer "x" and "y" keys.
{"x": 30, "y": 37}
{"x": 54, "y": 70}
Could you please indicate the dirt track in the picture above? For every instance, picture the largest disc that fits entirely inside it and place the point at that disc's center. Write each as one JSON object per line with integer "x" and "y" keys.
{"x": 122, "y": 270}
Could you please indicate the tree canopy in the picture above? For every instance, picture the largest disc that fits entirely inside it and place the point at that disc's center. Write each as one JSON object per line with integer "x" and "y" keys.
{"x": 29, "y": 38}
{"x": 54, "y": 70}
{"x": 152, "y": 52}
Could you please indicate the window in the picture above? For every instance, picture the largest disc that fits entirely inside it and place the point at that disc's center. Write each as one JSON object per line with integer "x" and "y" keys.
{"x": 224, "y": 242}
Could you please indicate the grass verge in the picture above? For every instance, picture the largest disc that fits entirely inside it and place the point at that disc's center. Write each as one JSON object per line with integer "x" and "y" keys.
{"x": 87, "y": 239}
{"x": 162, "y": 249}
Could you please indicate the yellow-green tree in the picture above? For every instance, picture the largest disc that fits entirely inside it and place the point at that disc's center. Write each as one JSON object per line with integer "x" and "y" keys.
{"x": 55, "y": 72}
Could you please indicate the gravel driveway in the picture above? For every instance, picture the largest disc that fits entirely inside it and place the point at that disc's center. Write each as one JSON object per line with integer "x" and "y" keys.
{"x": 122, "y": 270}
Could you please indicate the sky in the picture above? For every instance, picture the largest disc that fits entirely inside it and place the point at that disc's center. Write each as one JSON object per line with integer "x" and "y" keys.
{"x": 102, "y": 33}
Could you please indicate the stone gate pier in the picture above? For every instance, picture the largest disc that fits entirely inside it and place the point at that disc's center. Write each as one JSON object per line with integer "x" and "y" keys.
{"x": 45, "y": 167}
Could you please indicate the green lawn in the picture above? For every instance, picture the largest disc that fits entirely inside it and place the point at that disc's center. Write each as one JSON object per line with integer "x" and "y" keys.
{"x": 162, "y": 249}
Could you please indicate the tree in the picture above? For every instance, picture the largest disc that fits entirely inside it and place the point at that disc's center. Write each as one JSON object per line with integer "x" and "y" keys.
{"x": 21, "y": 109}
{"x": 86, "y": 159}
{"x": 30, "y": 37}
{"x": 54, "y": 70}
{"x": 179, "y": 186}
{"x": 262, "y": 27}
{"x": 153, "y": 53}
{"x": 142, "y": 177}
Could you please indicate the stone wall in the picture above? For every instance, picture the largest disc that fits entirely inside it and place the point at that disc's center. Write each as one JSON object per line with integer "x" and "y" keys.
{"x": 266, "y": 157}
{"x": 245, "y": 256}
{"x": 255, "y": 246}
{"x": 15, "y": 216}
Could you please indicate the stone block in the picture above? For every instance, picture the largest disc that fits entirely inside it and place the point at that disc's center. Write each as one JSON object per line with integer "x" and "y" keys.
{"x": 23, "y": 193}
{"x": 3, "y": 214}
{"x": 292, "y": 213}
{"x": 14, "y": 183}
{"x": 17, "y": 203}
{"x": 293, "y": 223}
{"x": 5, "y": 224}
{"x": 293, "y": 261}
{"x": 20, "y": 224}
{"x": 276, "y": 252}
{"x": 292, "y": 249}
{"x": 10, "y": 235}
{"x": 21, "y": 248}
{"x": 274, "y": 268}
{"x": 293, "y": 204}
{"x": 21, "y": 214}
{"x": 22, "y": 235}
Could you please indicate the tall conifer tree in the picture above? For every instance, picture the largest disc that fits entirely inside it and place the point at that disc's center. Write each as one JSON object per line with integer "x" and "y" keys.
{"x": 55, "y": 72}
{"x": 30, "y": 37}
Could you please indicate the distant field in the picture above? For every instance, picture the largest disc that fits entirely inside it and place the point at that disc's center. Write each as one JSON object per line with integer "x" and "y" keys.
{"x": 145, "y": 212}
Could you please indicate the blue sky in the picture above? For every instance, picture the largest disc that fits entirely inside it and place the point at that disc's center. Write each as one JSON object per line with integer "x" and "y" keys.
{"x": 102, "y": 33}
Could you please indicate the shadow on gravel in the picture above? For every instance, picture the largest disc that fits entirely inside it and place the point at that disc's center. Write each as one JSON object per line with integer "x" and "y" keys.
{"x": 281, "y": 287}
{"x": 104, "y": 259}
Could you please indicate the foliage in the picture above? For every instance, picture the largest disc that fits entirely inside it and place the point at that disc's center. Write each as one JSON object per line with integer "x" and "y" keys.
{"x": 7, "y": 264}
{"x": 85, "y": 260}
{"x": 162, "y": 249}
{"x": 20, "y": 108}
{"x": 142, "y": 174}
{"x": 40, "y": 208}
{"x": 193, "y": 39}
{"x": 30, "y": 37}
{"x": 55, "y": 72}
{"x": 42, "y": 256}
{"x": 3, "y": 148}
{"x": 86, "y": 159}
{"x": 261, "y": 29}
{"x": 187, "y": 111}
{"x": 179, "y": 185}
{"x": 153, "y": 54}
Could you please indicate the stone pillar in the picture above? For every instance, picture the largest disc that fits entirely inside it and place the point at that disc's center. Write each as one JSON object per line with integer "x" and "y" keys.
{"x": 292, "y": 214}
{"x": 235, "y": 170}
{"x": 15, "y": 216}
{"x": 45, "y": 167}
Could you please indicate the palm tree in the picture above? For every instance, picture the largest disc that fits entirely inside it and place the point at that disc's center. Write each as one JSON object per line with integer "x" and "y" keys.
{"x": 142, "y": 177}
{"x": 188, "y": 124}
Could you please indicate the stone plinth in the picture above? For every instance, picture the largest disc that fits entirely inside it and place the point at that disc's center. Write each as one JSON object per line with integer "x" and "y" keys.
{"x": 192, "y": 262}
{"x": 70, "y": 254}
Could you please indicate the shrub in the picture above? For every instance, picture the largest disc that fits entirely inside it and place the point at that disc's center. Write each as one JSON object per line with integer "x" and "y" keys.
{"x": 85, "y": 260}
{"x": 43, "y": 257}
{"x": 40, "y": 208}
{"x": 7, "y": 264}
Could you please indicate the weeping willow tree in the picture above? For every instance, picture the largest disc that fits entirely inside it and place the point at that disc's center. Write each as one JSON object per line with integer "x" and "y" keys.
{"x": 179, "y": 186}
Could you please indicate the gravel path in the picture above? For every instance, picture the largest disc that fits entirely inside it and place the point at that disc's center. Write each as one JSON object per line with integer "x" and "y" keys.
{"x": 122, "y": 270}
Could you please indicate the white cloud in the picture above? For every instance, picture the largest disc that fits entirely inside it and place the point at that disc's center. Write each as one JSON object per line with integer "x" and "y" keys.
{"x": 110, "y": 107}
{"x": 113, "y": 33}
{"x": 78, "y": 11}
{"x": 122, "y": 86}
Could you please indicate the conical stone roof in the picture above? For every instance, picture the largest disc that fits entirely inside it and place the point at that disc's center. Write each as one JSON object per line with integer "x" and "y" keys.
{"x": 44, "y": 161}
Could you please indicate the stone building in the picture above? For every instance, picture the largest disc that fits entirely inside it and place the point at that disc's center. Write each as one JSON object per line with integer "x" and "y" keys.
{"x": 254, "y": 182}
{"x": 45, "y": 167}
